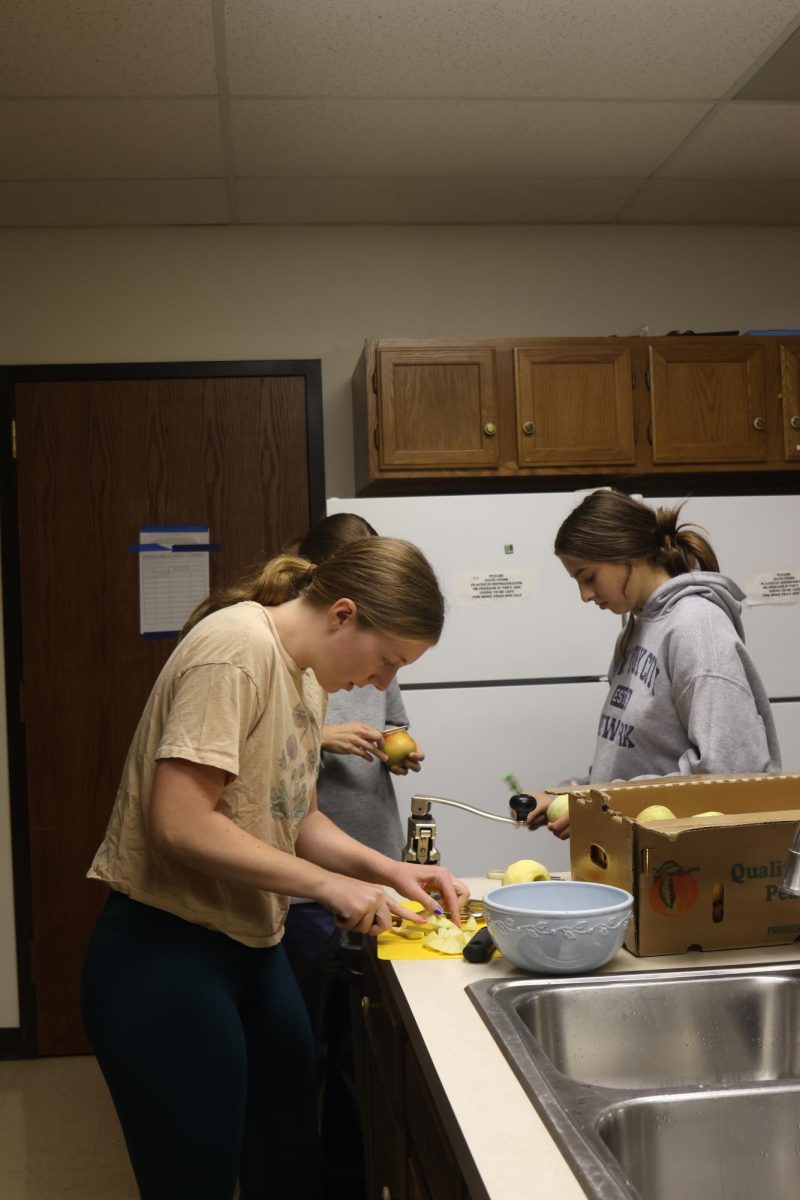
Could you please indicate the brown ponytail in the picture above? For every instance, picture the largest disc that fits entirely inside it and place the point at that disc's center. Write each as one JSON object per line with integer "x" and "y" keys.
{"x": 611, "y": 526}
{"x": 278, "y": 580}
{"x": 390, "y": 581}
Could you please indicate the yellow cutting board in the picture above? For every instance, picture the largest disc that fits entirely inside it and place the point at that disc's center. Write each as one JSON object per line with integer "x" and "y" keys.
{"x": 392, "y": 945}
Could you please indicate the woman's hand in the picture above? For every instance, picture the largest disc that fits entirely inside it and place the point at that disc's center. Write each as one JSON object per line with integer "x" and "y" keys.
{"x": 538, "y": 818}
{"x": 410, "y": 763}
{"x": 416, "y": 880}
{"x": 354, "y": 737}
{"x": 357, "y": 906}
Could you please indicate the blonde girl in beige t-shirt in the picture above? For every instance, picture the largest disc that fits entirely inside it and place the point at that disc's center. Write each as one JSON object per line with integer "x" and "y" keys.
{"x": 188, "y": 999}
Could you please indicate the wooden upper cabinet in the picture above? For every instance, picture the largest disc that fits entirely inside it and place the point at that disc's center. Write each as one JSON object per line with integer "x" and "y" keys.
{"x": 707, "y": 400}
{"x": 790, "y": 397}
{"x": 607, "y": 408}
{"x": 575, "y": 403}
{"x": 437, "y": 408}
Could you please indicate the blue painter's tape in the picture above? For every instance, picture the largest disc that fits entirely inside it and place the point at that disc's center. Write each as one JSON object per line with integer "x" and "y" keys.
{"x": 204, "y": 547}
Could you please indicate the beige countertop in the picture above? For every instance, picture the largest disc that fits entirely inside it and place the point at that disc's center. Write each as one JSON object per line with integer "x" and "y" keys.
{"x": 507, "y": 1140}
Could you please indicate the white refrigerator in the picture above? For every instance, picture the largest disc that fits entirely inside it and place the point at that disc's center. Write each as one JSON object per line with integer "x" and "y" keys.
{"x": 518, "y": 679}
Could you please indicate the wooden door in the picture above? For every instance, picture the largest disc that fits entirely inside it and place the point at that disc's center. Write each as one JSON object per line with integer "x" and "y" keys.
{"x": 437, "y": 408}
{"x": 574, "y": 403}
{"x": 708, "y": 401}
{"x": 96, "y": 458}
{"x": 790, "y": 397}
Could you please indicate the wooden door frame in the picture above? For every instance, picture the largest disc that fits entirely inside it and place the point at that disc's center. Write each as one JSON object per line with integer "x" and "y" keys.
{"x": 22, "y": 1042}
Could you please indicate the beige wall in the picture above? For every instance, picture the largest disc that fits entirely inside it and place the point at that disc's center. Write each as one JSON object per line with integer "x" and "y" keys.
{"x": 318, "y": 292}
{"x": 124, "y": 295}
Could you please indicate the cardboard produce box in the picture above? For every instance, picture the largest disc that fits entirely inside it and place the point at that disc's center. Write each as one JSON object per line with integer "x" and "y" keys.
{"x": 710, "y": 883}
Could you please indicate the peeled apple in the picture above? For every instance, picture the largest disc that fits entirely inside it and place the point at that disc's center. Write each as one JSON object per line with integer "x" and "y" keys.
{"x": 558, "y": 808}
{"x": 397, "y": 746}
{"x": 525, "y": 870}
{"x": 656, "y": 812}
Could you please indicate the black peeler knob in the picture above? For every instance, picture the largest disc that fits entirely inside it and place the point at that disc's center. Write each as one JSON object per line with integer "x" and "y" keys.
{"x": 522, "y": 804}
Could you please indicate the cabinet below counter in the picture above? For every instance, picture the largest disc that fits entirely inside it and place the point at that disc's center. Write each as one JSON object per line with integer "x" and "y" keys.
{"x": 446, "y": 1118}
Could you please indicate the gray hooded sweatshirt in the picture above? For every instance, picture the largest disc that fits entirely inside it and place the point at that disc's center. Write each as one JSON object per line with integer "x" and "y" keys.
{"x": 359, "y": 795}
{"x": 687, "y": 698}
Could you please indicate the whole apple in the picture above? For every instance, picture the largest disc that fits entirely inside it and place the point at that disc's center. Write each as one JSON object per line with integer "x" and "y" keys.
{"x": 656, "y": 812}
{"x": 525, "y": 870}
{"x": 558, "y": 808}
{"x": 397, "y": 746}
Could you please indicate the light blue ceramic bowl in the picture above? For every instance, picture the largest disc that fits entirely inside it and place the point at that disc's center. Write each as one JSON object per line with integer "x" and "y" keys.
{"x": 558, "y": 927}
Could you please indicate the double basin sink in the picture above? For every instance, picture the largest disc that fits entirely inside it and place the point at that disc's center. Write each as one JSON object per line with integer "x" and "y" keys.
{"x": 661, "y": 1085}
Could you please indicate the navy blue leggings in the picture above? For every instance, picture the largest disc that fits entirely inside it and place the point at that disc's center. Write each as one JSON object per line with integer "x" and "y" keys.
{"x": 207, "y": 1051}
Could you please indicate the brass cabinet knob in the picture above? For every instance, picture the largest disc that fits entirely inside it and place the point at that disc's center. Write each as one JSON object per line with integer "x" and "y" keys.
{"x": 529, "y": 429}
{"x": 365, "y": 1005}
{"x": 759, "y": 423}
{"x": 386, "y": 1193}
{"x": 795, "y": 422}
{"x": 490, "y": 429}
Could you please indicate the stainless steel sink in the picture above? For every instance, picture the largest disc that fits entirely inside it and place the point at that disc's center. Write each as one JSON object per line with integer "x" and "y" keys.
{"x": 662, "y": 1084}
{"x": 739, "y": 1144}
{"x": 669, "y": 1032}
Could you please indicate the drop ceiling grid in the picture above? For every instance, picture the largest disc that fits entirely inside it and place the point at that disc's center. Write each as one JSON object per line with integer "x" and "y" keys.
{"x": 420, "y": 111}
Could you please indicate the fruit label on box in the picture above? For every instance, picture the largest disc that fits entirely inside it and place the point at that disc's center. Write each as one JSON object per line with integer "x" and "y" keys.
{"x": 771, "y": 871}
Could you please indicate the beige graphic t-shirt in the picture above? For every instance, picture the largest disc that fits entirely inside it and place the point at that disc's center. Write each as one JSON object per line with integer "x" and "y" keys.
{"x": 231, "y": 697}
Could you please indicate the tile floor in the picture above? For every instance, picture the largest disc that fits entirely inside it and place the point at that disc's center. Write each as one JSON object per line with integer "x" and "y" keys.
{"x": 59, "y": 1134}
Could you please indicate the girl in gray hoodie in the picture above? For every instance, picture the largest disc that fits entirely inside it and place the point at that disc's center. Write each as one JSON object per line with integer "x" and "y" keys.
{"x": 685, "y": 697}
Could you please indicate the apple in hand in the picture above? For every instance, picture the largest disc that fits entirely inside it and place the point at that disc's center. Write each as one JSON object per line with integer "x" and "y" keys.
{"x": 558, "y": 808}
{"x": 397, "y": 746}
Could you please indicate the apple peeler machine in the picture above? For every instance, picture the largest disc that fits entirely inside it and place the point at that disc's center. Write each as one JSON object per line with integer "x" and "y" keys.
{"x": 421, "y": 840}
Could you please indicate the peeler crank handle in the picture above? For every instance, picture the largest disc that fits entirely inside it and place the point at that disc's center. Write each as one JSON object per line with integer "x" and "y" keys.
{"x": 523, "y": 804}
{"x": 479, "y": 812}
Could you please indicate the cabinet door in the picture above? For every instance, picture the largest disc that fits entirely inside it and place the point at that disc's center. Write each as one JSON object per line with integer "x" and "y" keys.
{"x": 437, "y": 408}
{"x": 433, "y": 1163}
{"x": 707, "y": 400}
{"x": 574, "y": 403}
{"x": 790, "y": 398}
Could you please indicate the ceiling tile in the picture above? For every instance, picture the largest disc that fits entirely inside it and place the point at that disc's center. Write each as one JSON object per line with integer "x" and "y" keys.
{"x": 743, "y": 141}
{"x": 113, "y": 48}
{"x": 430, "y": 201}
{"x": 552, "y": 48}
{"x": 715, "y": 202}
{"x": 779, "y": 78}
{"x": 116, "y": 202}
{"x": 109, "y": 139}
{"x": 439, "y": 138}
